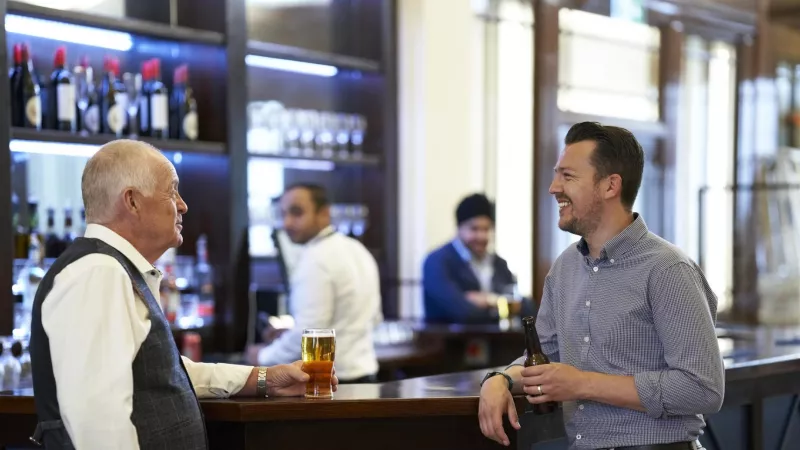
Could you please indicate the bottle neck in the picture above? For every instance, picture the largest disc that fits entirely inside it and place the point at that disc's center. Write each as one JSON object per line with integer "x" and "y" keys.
{"x": 532, "y": 343}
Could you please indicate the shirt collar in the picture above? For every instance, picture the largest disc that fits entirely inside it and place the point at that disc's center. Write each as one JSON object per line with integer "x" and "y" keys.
{"x": 111, "y": 238}
{"x": 327, "y": 231}
{"x": 621, "y": 243}
{"x": 465, "y": 253}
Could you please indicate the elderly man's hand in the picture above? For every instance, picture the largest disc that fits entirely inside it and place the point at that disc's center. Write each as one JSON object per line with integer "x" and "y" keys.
{"x": 287, "y": 380}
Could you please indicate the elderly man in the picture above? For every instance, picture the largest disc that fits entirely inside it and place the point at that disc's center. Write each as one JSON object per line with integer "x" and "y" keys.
{"x": 106, "y": 370}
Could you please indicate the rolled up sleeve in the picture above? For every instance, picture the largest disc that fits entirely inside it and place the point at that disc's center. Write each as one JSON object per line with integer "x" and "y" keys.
{"x": 684, "y": 314}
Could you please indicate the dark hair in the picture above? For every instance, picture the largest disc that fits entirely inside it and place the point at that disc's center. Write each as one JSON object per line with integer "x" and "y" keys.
{"x": 319, "y": 196}
{"x": 475, "y": 205}
{"x": 616, "y": 151}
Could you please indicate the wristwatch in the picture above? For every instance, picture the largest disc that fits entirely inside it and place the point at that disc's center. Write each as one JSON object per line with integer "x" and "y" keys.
{"x": 261, "y": 382}
{"x": 507, "y": 376}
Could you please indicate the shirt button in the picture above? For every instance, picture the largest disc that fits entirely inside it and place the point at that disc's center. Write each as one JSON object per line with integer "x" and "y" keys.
{"x": 595, "y": 269}
{"x": 588, "y": 303}
{"x": 586, "y": 339}
{"x": 612, "y": 260}
{"x": 580, "y": 406}
{"x": 578, "y": 436}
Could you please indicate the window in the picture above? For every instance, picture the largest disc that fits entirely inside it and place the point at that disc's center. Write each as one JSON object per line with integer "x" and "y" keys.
{"x": 507, "y": 28}
{"x": 607, "y": 66}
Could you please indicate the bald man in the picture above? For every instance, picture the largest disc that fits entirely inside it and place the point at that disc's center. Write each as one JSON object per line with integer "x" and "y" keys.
{"x": 106, "y": 371}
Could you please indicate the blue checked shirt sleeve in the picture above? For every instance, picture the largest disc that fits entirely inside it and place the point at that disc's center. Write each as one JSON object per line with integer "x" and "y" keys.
{"x": 684, "y": 314}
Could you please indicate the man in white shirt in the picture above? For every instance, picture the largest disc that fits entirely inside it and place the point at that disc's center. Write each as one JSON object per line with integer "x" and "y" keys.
{"x": 334, "y": 284}
{"x": 106, "y": 371}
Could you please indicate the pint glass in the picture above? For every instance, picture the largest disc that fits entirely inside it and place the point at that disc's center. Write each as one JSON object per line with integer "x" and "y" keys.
{"x": 319, "y": 349}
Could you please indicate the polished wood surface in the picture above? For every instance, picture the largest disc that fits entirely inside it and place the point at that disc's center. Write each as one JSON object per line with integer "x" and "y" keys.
{"x": 416, "y": 413}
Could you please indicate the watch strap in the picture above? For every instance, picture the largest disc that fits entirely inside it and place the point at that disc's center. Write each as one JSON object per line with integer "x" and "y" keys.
{"x": 507, "y": 377}
{"x": 261, "y": 382}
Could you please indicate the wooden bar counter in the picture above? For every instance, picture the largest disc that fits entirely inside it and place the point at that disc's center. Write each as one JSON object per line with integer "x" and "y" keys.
{"x": 440, "y": 412}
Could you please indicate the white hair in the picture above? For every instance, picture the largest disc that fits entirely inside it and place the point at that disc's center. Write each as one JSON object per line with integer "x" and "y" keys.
{"x": 117, "y": 166}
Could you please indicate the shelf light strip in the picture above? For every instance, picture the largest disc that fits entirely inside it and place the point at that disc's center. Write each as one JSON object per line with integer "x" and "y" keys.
{"x": 87, "y": 151}
{"x": 67, "y": 32}
{"x": 289, "y": 65}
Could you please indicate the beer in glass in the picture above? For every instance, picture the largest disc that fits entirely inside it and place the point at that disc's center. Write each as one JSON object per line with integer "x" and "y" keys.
{"x": 319, "y": 349}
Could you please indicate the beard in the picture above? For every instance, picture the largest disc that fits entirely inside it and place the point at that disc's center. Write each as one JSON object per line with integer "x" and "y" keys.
{"x": 584, "y": 222}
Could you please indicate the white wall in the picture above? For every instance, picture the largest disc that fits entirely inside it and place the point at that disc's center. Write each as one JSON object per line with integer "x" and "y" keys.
{"x": 441, "y": 148}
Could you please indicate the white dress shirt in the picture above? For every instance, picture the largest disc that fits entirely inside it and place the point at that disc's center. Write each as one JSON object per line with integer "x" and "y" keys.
{"x": 335, "y": 284}
{"x": 96, "y": 325}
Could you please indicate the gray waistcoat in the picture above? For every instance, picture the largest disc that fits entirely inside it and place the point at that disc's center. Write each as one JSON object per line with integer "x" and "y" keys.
{"x": 166, "y": 412}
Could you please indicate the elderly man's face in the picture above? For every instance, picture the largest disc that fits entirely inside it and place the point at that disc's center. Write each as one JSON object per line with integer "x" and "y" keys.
{"x": 163, "y": 212}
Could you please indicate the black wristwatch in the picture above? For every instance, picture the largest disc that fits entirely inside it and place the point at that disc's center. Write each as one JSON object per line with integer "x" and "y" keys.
{"x": 491, "y": 374}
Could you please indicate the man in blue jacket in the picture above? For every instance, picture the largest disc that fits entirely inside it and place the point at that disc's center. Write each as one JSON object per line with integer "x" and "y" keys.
{"x": 462, "y": 278}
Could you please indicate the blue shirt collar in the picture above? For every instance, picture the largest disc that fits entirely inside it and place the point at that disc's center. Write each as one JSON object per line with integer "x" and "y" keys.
{"x": 465, "y": 253}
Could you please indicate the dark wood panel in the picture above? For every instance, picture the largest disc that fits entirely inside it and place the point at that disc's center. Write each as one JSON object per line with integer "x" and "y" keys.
{"x": 6, "y": 233}
{"x": 138, "y": 27}
{"x": 206, "y": 74}
{"x": 346, "y": 27}
{"x": 669, "y": 87}
{"x": 546, "y": 143}
{"x": 232, "y": 308}
{"x": 391, "y": 161}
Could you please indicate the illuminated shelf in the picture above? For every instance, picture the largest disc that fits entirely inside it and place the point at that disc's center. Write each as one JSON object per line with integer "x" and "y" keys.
{"x": 287, "y": 52}
{"x": 132, "y": 26}
{"x": 315, "y": 163}
{"x": 62, "y": 137}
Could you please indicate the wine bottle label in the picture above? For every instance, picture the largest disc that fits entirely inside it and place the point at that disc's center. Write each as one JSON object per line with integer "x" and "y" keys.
{"x": 190, "y": 125}
{"x": 33, "y": 111}
{"x": 159, "y": 112}
{"x": 121, "y": 98}
{"x": 114, "y": 119}
{"x": 66, "y": 102}
{"x": 91, "y": 119}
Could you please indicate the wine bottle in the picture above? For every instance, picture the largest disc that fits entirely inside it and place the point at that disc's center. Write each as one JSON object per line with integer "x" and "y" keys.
{"x": 159, "y": 103}
{"x": 62, "y": 103}
{"x": 90, "y": 102}
{"x": 183, "y": 110}
{"x": 17, "y": 110}
{"x": 534, "y": 356}
{"x": 29, "y": 92}
{"x": 69, "y": 235}
{"x": 114, "y": 105}
{"x": 144, "y": 100}
{"x": 52, "y": 243}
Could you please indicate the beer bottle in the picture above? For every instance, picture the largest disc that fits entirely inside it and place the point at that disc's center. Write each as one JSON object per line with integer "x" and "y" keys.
{"x": 534, "y": 356}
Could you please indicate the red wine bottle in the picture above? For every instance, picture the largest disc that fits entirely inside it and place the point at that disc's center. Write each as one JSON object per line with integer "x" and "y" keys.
{"x": 534, "y": 356}
{"x": 62, "y": 104}
{"x": 29, "y": 92}
{"x": 52, "y": 243}
{"x": 183, "y": 110}
{"x": 144, "y": 100}
{"x": 91, "y": 122}
{"x": 159, "y": 103}
{"x": 114, "y": 107}
{"x": 17, "y": 109}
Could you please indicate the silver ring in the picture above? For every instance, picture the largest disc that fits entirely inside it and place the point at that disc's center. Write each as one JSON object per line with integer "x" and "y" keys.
{"x": 540, "y": 389}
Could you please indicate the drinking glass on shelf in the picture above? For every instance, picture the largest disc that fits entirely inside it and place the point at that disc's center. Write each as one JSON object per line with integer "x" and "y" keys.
{"x": 346, "y": 221}
{"x": 309, "y": 121}
{"x": 336, "y": 215}
{"x": 318, "y": 347}
{"x": 291, "y": 131}
{"x": 343, "y": 130}
{"x": 325, "y": 139}
{"x": 360, "y": 214}
{"x": 358, "y": 125}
